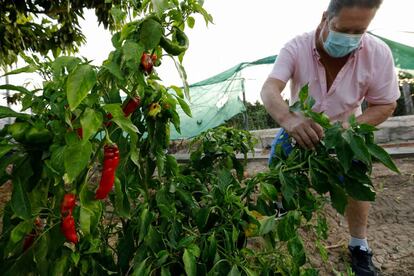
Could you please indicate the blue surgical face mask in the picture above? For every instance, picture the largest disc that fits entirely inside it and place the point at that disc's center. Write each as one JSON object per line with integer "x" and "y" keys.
{"x": 341, "y": 44}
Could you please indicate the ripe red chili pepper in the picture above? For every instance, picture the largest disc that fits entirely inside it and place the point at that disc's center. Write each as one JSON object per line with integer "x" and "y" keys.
{"x": 79, "y": 131}
{"x": 28, "y": 240}
{"x": 147, "y": 63}
{"x": 68, "y": 228}
{"x": 131, "y": 105}
{"x": 110, "y": 163}
{"x": 68, "y": 203}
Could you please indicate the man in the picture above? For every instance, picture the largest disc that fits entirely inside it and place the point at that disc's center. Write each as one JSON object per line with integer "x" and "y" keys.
{"x": 343, "y": 65}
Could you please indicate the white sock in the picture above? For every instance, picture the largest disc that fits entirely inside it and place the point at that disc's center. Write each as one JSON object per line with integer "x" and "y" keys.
{"x": 362, "y": 243}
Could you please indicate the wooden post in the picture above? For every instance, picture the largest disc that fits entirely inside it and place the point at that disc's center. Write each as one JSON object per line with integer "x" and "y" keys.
{"x": 408, "y": 101}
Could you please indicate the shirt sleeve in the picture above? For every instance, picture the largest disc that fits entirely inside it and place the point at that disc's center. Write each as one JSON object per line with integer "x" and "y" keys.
{"x": 384, "y": 88}
{"x": 284, "y": 65}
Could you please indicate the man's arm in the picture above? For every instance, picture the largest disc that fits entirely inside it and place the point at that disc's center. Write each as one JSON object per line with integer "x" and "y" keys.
{"x": 305, "y": 131}
{"x": 375, "y": 114}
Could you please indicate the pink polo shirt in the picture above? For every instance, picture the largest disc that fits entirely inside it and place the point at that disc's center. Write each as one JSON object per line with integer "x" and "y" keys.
{"x": 368, "y": 74}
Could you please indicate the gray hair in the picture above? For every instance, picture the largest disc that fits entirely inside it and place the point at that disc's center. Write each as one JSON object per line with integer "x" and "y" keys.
{"x": 335, "y": 6}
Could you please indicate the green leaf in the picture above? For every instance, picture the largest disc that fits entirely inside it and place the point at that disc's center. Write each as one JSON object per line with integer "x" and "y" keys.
{"x": 178, "y": 91}
{"x": 76, "y": 158}
{"x": 119, "y": 118}
{"x": 141, "y": 268}
{"x": 85, "y": 220}
{"x": 194, "y": 250}
{"x": 365, "y": 128}
{"x": 318, "y": 179}
{"x": 5, "y": 149}
{"x": 91, "y": 121}
{"x": 21, "y": 230}
{"x": 190, "y": 265}
{"x": 114, "y": 69}
{"x": 20, "y": 201}
{"x": 190, "y": 22}
{"x": 269, "y": 191}
{"x": 132, "y": 53}
{"x": 303, "y": 94}
{"x": 360, "y": 191}
{"x": 267, "y": 225}
{"x": 297, "y": 251}
{"x": 358, "y": 146}
{"x": 184, "y": 106}
{"x": 288, "y": 186}
{"x": 26, "y": 69}
{"x": 332, "y": 136}
{"x": 145, "y": 221}
{"x": 202, "y": 216}
{"x": 79, "y": 83}
{"x": 6, "y": 112}
{"x": 160, "y": 6}
{"x": 380, "y": 154}
{"x": 122, "y": 206}
{"x": 344, "y": 153}
{"x": 234, "y": 271}
{"x": 60, "y": 265}
{"x": 90, "y": 211}
{"x": 20, "y": 89}
{"x": 286, "y": 227}
{"x": 183, "y": 76}
{"x": 339, "y": 198}
{"x": 64, "y": 61}
{"x": 150, "y": 34}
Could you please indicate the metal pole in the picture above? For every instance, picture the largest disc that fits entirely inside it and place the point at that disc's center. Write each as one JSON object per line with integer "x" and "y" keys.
{"x": 408, "y": 101}
{"x": 245, "y": 116}
{"x": 7, "y": 92}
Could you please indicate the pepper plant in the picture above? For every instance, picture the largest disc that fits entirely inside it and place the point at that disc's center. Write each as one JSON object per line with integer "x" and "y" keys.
{"x": 95, "y": 191}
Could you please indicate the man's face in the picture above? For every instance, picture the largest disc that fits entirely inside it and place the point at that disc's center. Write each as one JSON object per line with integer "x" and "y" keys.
{"x": 353, "y": 20}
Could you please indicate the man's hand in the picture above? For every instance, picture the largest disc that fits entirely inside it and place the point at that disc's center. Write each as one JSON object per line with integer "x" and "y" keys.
{"x": 304, "y": 130}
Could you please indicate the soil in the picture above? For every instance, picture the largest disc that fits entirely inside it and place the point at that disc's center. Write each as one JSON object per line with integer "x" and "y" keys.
{"x": 390, "y": 230}
{"x": 391, "y": 223}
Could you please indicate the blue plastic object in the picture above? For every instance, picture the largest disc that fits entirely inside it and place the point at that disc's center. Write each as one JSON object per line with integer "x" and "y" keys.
{"x": 281, "y": 138}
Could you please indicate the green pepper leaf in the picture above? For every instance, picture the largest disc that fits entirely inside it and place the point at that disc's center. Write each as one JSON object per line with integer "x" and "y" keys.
{"x": 122, "y": 206}
{"x": 76, "y": 158}
{"x": 20, "y": 200}
{"x": 303, "y": 94}
{"x": 91, "y": 121}
{"x": 20, "y": 89}
{"x": 132, "y": 53}
{"x": 21, "y": 230}
{"x": 190, "y": 265}
{"x": 234, "y": 271}
{"x": 6, "y": 112}
{"x": 297, "y": 251}
{"x": 380, "y": 154}
{"x": 339, "y": 199}
{"x": 119, "y": 118}
{"x": 80, "y": 81}
{"x": 151, "y": 32}
{"x": 358, "y": 146}
{"x": 90, "y": 210}
{"x": 344, "y": 153}
{"x": 5, "y": 148}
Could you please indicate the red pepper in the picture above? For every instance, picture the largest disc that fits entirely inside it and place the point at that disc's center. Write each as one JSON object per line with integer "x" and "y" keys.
{"x": 110, "y": 163}
{"x": 147, "y": 63}
{"x": 68, "y": 203}
{"x": 28, "y": 240}
{"x": 79, "y": 131}
{"x": 68, "y": 229}
{"x": 131, "y": 105}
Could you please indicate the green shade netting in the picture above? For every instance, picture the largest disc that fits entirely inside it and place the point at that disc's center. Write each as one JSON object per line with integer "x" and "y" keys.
{"x": 217, "y": 99}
